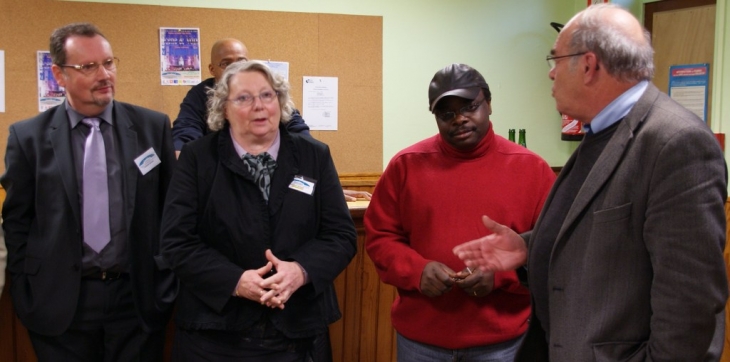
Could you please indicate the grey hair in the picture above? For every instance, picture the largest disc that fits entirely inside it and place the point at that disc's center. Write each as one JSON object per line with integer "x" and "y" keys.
{"x": 623, "y": 57}
{"x": 218, "y": 95}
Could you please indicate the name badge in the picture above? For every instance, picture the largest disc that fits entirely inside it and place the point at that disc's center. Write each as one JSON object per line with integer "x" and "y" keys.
{"x": 303, "y": 184}
{"x": 147, "y": 161}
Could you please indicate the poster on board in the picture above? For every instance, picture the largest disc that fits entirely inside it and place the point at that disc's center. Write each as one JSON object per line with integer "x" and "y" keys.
{"x": 50, "y": 94}
{"x": 688, "y": 86}
{"x": 280, "y": 68}
{"x": 320, "y": 102}
{"x": 180, "y": 56}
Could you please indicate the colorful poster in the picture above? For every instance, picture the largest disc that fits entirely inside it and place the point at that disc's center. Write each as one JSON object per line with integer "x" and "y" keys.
{"x": 688, "y": 86}
{"x": 50, "y": 94}
{"x": 180, "y": 56}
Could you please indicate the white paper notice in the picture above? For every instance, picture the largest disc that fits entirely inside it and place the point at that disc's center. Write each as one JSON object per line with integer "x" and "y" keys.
{"x": 692, "y": 98}
{"x": 320, "y": 103}
{"x": 2, "y": 81}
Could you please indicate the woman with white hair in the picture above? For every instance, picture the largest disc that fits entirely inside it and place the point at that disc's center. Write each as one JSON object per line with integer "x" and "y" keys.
{"x": 256, "y": 228}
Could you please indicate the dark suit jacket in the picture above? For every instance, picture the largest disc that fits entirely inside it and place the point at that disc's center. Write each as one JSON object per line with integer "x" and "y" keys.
{"x": 216, "y": 225}
{"x": 42, "y": 222}
{"x": 645, "y": 280}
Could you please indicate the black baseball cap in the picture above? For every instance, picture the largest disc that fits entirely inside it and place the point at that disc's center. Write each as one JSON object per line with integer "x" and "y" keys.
{"x": 456, "y": 79}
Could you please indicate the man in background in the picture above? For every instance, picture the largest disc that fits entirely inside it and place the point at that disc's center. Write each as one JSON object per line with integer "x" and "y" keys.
{"x": 626, "y": 261}
{"x": 85, "y": 184}
{"x": 190, "y": 123}
{"x": 429, "y": 200}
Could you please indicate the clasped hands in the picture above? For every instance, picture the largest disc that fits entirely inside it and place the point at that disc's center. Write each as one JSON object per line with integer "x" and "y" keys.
{"x": 501, "y": 250}
{"x": 271, "y": 290}
{"x": 437, "y": 279}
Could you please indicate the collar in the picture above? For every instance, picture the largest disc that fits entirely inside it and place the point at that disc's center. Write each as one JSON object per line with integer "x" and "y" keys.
{"x": 76, "y": 117}
{"x": 273, "y": 150}
{"x": 481, "y": 148}
{"x": 617, "y": 109}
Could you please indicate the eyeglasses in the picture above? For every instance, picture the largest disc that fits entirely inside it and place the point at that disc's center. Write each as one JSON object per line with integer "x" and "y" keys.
{"x": 464, "y": 111}
{"x": 91, "y": 68}
{"x": 551, "y": 59}
{"x": 247, "y": 100}
{"x": 225, "y": 63}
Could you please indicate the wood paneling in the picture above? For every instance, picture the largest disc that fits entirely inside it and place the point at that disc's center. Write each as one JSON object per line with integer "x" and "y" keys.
{"x": 359, "y": 181}
{"x": 365, "y": 332}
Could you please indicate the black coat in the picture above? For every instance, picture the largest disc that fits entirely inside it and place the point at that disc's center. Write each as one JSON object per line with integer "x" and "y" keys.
{"x": 216, "y": 225}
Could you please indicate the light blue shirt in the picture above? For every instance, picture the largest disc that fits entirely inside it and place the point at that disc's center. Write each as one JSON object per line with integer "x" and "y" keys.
{"x": 617, "y": 109}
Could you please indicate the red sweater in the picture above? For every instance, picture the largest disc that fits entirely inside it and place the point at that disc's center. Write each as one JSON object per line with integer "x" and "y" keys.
{"x": 431, "y": 198}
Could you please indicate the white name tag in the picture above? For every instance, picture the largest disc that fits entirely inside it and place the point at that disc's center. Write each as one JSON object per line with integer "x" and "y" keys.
{"x": 303, "y": 184}
{"x": 147, "y": 161}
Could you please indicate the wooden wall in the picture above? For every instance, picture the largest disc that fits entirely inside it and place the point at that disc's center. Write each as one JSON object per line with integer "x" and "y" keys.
{"x": 365, "y": 332}
{"x": 343, "y": 46}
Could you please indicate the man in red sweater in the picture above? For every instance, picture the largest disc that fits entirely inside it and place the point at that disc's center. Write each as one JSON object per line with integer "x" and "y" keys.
{"x": 431, "y": 198}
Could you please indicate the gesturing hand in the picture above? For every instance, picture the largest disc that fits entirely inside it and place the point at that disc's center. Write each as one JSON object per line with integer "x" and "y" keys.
{"x": 502, "y": 250}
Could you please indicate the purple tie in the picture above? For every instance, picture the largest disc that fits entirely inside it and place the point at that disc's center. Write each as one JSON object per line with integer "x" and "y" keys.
{"x": 95, "y": 190}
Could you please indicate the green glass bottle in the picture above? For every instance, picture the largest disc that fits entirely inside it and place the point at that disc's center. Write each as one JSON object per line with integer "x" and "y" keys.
{"x": 522, "y": 141}
{"x": 512, "y": 134}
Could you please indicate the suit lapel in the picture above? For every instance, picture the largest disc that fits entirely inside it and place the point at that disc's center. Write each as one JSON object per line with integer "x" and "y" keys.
{"x": 597, "y": 177}
{"x": 609, "y": 159}
{"x": 228, "y": 155}
{"x": 561, "y": 177}
{"x": 128, "y": 150}
{"x": 286, "y": 169}
{"x": 60, "y": 137}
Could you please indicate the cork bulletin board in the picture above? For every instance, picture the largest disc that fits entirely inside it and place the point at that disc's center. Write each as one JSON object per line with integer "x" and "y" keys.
{"x": 344, "y": 46}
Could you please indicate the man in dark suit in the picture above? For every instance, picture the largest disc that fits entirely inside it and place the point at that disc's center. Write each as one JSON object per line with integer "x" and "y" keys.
{"x": 82, "y": 240}
{"x": 625, "y": 262}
